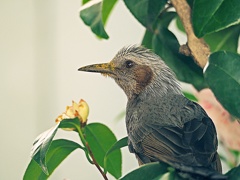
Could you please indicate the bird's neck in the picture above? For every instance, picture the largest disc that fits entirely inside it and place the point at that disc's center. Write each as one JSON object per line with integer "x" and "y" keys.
{"x": 160, "y": 88}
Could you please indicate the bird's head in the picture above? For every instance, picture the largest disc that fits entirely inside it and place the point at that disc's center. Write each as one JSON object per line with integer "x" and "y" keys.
{"x": 138, "y": 71}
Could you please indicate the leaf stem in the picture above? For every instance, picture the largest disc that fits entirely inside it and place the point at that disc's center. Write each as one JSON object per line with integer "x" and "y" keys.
{"x": 85, "y": 143}
{"x": 95, "y": 162}
{"x": 87, "y": 156}
{"x": 82, "y": 138}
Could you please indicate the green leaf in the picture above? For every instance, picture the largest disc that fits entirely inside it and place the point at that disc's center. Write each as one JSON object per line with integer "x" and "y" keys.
{"x": 148, "y": 171}
{"x": 226, "y": 39}
{"x": 41, "y": 146}
{"x": 145, "y": 11}
{"x": 57, "y": 152}
{"x": 166, "y": 45}
{"x": 234, "y": 173}
{"x": 42, "y": 143}
{"x": 190, "y": 96}
{"x": 85, "y": 1}
{"x": 190, "y": 3}
{"x": 179, "y": 24}
{"x": 118, "y": 145}
{"x": 211, "y": 17}
{"x": 100, "y": 139}
{"x": 95, "y": 13}
{"x": 107, "y": 6}
{"x": 70, "y": 124}
{"x": 223, "y": 77}
{"x": 147, "y": 39}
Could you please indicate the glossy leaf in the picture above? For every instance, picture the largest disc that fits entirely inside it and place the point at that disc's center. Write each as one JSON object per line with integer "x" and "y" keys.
{"x": 145, "y": 11}
{"x": 223, "y": 77}
{"x": 147, "y": 39}
{"x": 41, "y": 146}
{"x": 166, "y": 45}
{"x": 70, "y": 124}
{"x": 42, "y": 143}
{"x": 95, "y": 13}
{"x": 190, "y": 3}
{"x": 226, "y": 39}
{"x": 234, "y": 173}
{"x": 148, "y": 171}
{"x": 57, "y": 152}
{"x": 211, "y": 17}
{"x": 100, "y": 139}
{"x": 118, "y": 145}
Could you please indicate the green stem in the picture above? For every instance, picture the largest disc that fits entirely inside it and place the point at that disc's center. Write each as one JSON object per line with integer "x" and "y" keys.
{"x": 95, "y": 162}
{"x": 89, "y": 151}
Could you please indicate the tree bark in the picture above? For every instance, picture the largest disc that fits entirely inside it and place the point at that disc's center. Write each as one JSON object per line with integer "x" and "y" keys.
{"x": 195, "y": 47}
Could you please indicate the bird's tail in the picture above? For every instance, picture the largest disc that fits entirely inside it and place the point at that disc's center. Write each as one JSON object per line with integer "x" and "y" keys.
{"x": 197, "y": 173}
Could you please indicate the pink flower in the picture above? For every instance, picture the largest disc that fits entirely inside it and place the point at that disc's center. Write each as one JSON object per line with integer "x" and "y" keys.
{"x": 227, "y": 129}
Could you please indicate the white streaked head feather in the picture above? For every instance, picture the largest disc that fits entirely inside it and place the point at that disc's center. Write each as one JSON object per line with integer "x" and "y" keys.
{"x": 164, "y": 80}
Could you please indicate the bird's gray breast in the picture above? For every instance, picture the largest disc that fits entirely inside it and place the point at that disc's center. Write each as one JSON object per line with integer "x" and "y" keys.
{"x": 143, "y": 116}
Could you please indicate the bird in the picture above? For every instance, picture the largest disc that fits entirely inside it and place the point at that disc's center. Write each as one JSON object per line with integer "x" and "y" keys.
{"x": 162, "y": 124}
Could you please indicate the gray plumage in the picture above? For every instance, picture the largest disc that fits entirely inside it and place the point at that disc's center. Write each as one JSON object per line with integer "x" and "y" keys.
{"x": 162, "y": 124}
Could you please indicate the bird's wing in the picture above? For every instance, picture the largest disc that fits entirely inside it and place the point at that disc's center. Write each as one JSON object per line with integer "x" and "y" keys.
{"x": 194, "y": 144}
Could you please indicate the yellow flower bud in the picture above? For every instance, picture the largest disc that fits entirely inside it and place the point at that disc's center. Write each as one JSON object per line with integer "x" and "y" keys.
{"x": 84, "y": 110}
{"x": 80, "y": 110}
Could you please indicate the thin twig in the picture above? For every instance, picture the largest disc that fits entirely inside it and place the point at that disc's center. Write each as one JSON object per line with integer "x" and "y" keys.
{"x": 95, "y": 162}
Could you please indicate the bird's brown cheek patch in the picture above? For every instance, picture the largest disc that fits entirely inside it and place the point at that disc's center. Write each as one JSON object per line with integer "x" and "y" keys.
{"x": 143, "y": 76}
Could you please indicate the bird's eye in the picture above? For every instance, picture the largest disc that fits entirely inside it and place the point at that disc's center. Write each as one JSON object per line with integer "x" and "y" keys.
{"x": 129, "y": 64}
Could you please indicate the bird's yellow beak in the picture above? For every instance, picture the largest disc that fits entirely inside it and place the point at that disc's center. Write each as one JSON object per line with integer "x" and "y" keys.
{"x": 105, "y": 68}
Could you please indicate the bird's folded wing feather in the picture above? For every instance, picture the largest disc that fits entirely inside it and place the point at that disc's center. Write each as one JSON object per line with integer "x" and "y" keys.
{"x": 194, "y": 144}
